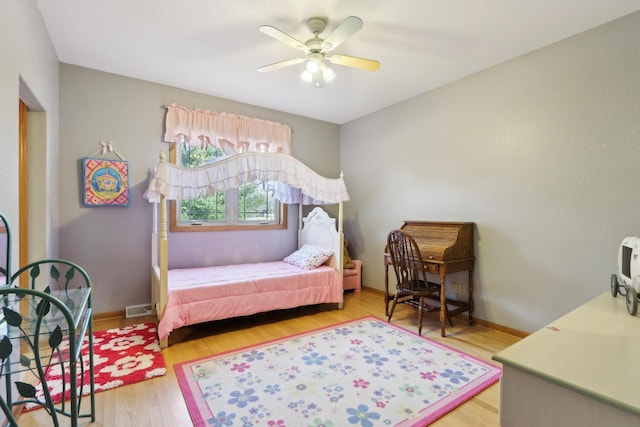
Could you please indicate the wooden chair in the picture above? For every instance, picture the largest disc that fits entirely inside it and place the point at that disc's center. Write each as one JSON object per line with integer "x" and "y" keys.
{"x": 5, "y": 251}
{"x": 411, "y": 273}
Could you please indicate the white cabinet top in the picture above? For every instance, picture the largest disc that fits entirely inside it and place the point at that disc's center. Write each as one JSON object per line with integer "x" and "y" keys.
{"x": 594, "y": 349}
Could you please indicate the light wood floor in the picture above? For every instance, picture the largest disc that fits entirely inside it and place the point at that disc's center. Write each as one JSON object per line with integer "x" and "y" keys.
{"x": 159, "y": 401}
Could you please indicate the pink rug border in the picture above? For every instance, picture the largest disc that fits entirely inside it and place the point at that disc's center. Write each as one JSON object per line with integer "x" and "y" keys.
{"x": 435, "y": 410}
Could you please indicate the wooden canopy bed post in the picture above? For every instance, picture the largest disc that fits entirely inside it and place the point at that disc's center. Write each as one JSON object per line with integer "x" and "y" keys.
{"x": 160, "y": 259}
{"x": 341, "y": 251}
{"x": 341, "y": 232}
{"x": 164, "y": 264}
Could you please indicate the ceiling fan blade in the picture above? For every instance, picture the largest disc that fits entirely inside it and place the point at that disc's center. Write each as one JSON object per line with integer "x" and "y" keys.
{"x": 283, "y": 37}
{"x": 352, "y": 61}
{"x": 281, "y": 64}
{"x": 349, "y": 26}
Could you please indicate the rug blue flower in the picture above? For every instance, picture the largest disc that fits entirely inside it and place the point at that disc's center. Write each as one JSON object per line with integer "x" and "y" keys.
{"x": 366, "y": 373}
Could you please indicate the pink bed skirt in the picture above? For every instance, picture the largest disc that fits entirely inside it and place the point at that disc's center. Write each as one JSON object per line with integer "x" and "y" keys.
{"x": 199, "y": 295}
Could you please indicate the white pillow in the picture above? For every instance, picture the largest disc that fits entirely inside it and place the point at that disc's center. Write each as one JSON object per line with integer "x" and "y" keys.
{"x": 309, "y": 257}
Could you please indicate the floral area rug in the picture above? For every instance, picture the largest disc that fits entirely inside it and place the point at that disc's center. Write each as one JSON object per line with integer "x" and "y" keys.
{"x": 121, "y": 356}
{"x": 366, "y": 373}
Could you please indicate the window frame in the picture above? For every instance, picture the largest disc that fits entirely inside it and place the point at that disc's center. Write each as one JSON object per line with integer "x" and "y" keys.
{"x": 176, "y": 226}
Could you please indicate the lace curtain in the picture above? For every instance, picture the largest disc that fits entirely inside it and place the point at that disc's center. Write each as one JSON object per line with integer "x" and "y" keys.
{"x": 289, "y": 179}
{"x": 231, "y": 133}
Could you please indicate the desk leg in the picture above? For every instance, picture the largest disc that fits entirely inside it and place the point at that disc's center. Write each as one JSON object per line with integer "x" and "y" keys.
{"x": 443, "y": 303}
{"x": 471, "y": 302}
{"x": 386, "y": 290}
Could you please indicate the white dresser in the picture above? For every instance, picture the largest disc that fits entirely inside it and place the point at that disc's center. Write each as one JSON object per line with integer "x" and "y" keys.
{"x": 581, "y": 370}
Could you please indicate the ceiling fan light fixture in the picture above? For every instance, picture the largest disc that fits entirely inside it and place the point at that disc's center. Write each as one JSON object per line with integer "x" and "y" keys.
{"x": 315, "y": 62}
{"x": 307, "y": 76}
{"x": 316, "y": 50}
{"x": 327, "y": 73}
{"x": 312, "y": 66}
{"x": 318, "y": 80}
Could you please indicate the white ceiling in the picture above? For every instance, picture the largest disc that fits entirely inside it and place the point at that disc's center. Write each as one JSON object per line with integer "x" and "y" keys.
{"x": 214, "y": 46}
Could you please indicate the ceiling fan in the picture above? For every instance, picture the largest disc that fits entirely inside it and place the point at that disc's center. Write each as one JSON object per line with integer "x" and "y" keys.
{"x": 316, "y": 50}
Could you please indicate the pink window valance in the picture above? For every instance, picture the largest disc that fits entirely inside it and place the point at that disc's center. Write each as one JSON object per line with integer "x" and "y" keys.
{"x": 231, "y": 133}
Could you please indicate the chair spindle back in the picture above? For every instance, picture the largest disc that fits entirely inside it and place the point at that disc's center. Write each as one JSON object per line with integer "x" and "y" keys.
{"x": 407, "y": 261}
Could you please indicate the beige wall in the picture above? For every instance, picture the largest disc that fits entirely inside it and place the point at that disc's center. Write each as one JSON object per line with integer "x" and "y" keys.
{"x": 29, "y": 71}
{"x": 113, "y": 243}
{"x": 542, "y": 152}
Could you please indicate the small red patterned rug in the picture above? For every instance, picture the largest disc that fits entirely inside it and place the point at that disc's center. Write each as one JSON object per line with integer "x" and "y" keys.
{"x": 121, "y": 356}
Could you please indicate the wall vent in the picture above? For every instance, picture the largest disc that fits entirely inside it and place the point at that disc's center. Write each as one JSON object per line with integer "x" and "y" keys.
{"x": 138, "y": 310}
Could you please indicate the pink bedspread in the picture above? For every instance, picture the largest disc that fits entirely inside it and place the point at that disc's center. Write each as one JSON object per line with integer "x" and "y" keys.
{"x": 199, "y": 295}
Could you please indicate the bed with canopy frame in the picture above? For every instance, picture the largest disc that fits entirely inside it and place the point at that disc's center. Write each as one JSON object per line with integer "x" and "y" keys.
{"x": 182, "y": 297}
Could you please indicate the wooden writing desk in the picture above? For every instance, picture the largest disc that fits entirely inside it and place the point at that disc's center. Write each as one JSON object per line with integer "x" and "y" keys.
{"x": 446, "y": 247}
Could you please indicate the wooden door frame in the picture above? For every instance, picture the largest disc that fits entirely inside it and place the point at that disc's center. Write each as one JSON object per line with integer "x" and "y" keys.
{"x": 23, "y": 188}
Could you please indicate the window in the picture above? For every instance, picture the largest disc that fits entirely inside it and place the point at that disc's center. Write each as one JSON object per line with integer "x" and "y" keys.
{"x": 247, "y": 207}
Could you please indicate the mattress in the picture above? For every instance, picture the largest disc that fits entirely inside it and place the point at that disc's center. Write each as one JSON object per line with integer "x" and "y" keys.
{"x": 197, "y": 295}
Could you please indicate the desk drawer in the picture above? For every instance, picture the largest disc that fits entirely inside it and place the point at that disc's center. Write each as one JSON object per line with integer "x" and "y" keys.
{"x": 433, "y": 268}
